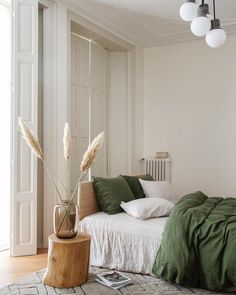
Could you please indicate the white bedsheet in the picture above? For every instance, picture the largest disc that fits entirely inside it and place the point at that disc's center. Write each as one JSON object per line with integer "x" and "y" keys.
{"x": 123, "y": 242}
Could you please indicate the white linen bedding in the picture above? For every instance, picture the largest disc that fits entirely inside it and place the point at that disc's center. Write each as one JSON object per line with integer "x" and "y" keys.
{"x": 123, "y": 242}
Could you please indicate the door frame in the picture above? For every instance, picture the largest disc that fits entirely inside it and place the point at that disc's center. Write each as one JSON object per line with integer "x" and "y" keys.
{"x": 10, "y": 126}
{"x": 57, "y": 32}
{"x": 49, "y": 112}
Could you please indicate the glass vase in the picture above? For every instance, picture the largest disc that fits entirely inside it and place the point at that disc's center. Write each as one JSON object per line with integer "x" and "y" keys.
{"x": 65, "y": 218}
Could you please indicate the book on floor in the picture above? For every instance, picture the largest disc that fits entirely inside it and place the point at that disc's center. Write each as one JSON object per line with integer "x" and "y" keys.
{"x": 113, "y": 279}
{"x": 113, "y": 287}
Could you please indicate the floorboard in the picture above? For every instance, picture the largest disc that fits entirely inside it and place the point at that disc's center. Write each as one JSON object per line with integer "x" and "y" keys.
{"x": 14, "y": 268}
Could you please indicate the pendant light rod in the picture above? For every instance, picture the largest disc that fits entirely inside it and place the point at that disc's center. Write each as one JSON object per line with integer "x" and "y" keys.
{"x": 202, "y": 2}
{"x": 214, "y": 8}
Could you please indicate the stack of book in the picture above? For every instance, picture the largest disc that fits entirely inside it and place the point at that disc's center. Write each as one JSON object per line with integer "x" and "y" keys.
{"x": 113, "y": 279}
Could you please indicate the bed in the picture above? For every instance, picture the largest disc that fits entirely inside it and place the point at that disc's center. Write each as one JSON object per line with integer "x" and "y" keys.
{"x": 118, "y": 241}
{"x": 195, "y": 246}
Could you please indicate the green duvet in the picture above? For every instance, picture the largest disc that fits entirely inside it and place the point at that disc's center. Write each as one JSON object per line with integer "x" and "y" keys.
{"x": 198, "y": 246}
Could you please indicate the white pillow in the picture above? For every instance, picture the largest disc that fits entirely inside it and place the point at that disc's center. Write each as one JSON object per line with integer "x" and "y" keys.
{"x": 158, "y": 189}
{"x": 147, "y": 207}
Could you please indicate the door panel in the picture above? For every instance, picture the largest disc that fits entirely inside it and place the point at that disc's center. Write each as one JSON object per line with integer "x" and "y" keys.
{"x": 98, "y": 118}
{"x": 24, "y": 172}
{"x": 88, "y": 105}
{"x": 79, "y": 104}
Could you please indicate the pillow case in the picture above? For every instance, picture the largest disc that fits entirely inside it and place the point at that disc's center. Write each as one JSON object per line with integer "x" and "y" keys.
{"x": 110, "y": 192}
{"x": 158, "y": 189}
{"x": 148, "y": 207}
{"x": 135, "y": 185}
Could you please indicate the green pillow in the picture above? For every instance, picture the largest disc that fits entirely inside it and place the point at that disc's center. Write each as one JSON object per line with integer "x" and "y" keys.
{"x": 135, "y": 185}
{"x": 110, "y": 192}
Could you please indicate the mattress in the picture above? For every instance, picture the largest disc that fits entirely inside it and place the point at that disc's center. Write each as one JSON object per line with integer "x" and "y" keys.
{"x": 123, "y": 242}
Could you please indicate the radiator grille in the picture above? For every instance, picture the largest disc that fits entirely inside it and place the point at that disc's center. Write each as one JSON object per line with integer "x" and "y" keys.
{"x": 159, "y": 169}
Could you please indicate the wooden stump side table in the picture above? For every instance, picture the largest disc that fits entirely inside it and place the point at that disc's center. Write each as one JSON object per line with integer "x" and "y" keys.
{"x": 68, "y": 261}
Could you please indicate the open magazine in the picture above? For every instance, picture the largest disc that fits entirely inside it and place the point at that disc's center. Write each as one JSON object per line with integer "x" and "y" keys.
{"x": 113, "y": 279}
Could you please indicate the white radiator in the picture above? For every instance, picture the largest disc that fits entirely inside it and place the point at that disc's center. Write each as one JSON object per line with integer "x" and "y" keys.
{"x": 159, "y": 169}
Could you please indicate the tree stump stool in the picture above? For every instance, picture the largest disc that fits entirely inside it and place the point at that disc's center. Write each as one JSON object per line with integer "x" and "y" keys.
{"x": 68, "y": 261}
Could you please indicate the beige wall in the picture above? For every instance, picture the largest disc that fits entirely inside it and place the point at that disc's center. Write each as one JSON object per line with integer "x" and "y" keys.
{"x": 190, "y": 111}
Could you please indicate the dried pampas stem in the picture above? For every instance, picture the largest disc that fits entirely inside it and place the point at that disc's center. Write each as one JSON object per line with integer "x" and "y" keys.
{"x": 34, "y": 144}
{"x": 67, "y": 141}
{"x": 91, "y": 153}
{"x": 31, "y": 139}
{"x": 88, "y": 158}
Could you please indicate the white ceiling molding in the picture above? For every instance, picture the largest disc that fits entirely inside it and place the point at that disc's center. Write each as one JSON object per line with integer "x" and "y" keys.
{"x": 149, "y": 22}
{"x": 85, "y": 9}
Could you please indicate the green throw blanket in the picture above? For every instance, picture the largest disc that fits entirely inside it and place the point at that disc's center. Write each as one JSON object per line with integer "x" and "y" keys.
{"x": 198, "y": 246}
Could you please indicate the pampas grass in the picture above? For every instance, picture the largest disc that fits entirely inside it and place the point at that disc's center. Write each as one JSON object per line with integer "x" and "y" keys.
{"x": 88, "y": 157}
{"x": 91, "y": 153}
{"x": 67, "y": 142}
{"x": 31, "y": 139}
{"x": 34, "y": 144}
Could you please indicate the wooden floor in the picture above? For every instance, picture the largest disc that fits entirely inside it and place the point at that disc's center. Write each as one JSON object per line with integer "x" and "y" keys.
{"x": 14, "y": 268}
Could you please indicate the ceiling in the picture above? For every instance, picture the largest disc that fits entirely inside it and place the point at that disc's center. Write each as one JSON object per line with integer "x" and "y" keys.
{"x": 152, "y": 22}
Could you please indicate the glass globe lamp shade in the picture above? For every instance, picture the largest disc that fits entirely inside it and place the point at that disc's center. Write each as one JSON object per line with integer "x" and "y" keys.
{"x": 188, "y": 11}
{"x": 200, "y": 26}
{"x": 216, "y": 38}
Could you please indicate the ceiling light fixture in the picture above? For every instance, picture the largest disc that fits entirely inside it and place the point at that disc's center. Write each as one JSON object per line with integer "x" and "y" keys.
{"x": 203, "y": 23}
{"x": 217, "y": 36}
{"x": 188, "y": 10}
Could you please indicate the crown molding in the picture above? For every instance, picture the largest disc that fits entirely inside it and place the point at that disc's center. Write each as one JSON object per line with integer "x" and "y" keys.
{"x": 142, "y": 30}
{"x": 81, "y": 8}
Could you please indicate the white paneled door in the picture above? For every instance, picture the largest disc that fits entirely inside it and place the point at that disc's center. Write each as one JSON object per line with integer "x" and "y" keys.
{"x": 24, "y": 171}
{"x": 99, "y": 103}
{"x": 79, "y": 104}
{"x": 88, "y": 103}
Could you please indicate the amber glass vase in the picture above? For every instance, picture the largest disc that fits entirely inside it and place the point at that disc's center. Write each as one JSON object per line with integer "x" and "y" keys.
{"x": 65, "y": 218}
